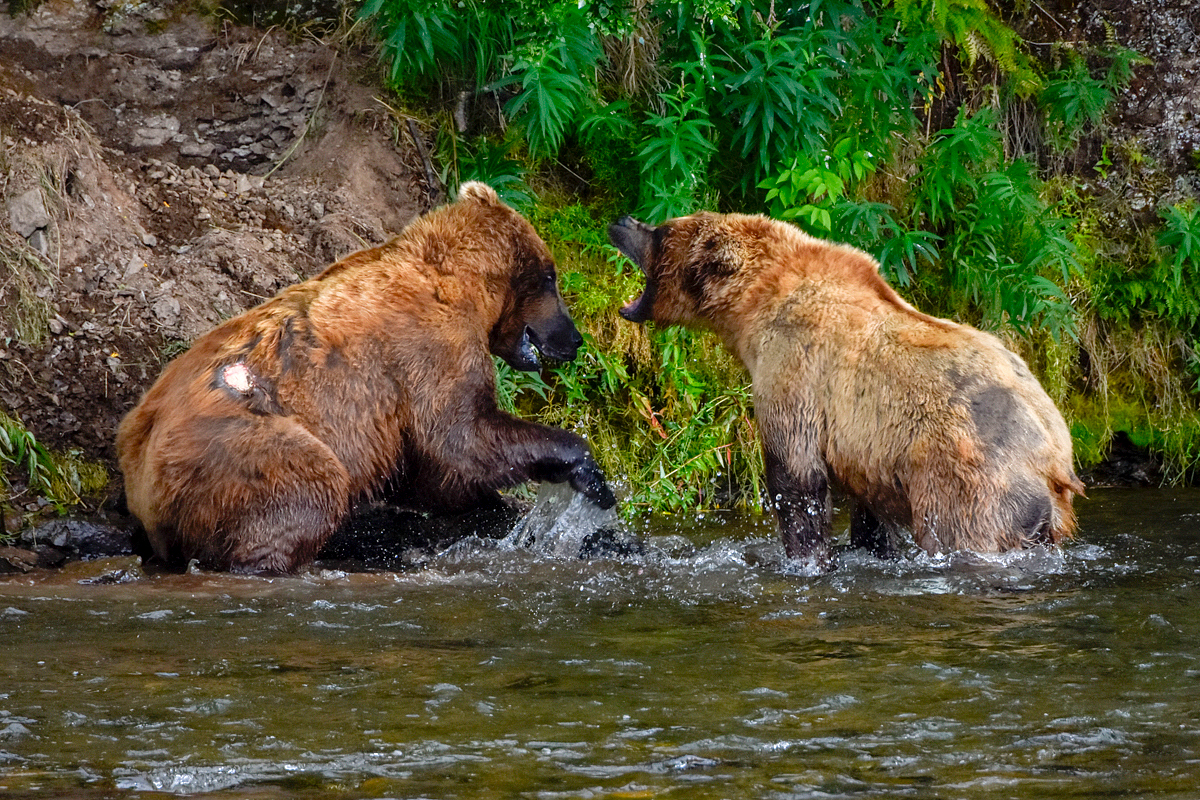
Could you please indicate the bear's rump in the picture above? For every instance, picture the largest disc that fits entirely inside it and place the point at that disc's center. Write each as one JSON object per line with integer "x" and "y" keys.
{"x": 214, "y": 475}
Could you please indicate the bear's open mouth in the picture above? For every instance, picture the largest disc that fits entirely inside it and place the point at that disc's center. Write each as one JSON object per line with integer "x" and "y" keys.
{"x": 640, "y": 308}
{"x": 633, "y": 310}
{"x": 636, "y": 242}
{"x": 526, "y": 358}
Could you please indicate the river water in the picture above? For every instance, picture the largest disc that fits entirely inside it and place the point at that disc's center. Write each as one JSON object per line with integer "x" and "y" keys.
{"x": 702, "y": 668}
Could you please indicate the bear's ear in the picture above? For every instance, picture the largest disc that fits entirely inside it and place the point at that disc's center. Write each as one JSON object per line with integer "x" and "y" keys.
{"x": 479, "y": 192}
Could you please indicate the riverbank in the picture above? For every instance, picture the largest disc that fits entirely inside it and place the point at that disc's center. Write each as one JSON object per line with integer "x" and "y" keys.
{"x": 165, "y": 167}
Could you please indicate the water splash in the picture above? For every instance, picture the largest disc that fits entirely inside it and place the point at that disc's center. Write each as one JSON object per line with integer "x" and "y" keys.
{"x": 565, "y": 524}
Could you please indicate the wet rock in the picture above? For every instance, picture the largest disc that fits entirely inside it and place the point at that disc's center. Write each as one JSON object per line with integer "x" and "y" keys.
{"x": 106, "y": 571}
{"x": 1126, "y": 464}
{"x": 79, "y": 539}
{"x": 27, "y": 212}
{"x": 17, "y": 560}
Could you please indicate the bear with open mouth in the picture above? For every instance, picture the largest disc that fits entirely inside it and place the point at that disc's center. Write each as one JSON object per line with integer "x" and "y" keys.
{"x": 926, "y": 424}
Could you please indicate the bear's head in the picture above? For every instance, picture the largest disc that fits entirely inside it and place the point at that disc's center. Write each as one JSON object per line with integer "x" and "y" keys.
{"x": 690, "y": 264}
{"x": 535, "y": 322}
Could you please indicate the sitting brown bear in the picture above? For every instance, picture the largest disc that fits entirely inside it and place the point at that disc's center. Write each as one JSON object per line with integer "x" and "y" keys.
{"x": 926, "y": 424}
{"x": 252, "y": 446}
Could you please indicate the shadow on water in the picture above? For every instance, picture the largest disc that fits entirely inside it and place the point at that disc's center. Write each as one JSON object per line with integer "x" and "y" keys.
{"x": 680, "y": 659}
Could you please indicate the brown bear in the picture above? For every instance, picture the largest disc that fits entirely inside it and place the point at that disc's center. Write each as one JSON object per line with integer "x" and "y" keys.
{"x": 252, "y": 446}
{"x": 927, "y": 425}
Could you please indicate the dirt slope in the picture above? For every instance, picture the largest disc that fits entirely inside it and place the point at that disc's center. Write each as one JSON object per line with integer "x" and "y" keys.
{"x": 160, "y": 172}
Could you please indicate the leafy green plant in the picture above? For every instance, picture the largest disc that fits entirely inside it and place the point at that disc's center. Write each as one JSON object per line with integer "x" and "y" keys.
{"x": 422, "y": 40}
{"x": 1181, "y": 235}
{"x": 25, "y": 460}
{"x": 1003, "y": 248}
{"x": 675, "y": 157}
{"x": 899, "y": 250}
{"x": 778, "y": 96}
{"x": 1073, "y": 99}
{"x": 491, "y": 163}
{"x": 553, "y": 93}
{"x": 808, "y": 190}
{"x": 978, "y": 33}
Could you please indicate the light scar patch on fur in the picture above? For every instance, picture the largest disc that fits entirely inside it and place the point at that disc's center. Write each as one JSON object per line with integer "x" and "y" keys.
{"x": 237, "y": 377}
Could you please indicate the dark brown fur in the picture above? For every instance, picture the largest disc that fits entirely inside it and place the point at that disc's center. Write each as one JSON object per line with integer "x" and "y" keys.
{"x": 928, "y": 425}
{"x": 252, "y": 446}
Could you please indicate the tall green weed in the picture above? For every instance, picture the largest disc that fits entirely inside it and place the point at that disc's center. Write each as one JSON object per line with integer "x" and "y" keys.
{"x": 832, "y": 115}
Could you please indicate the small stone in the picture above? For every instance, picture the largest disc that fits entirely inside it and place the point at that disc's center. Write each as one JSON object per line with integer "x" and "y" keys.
{"x": 134, "y": 266}
{"x": 158, "y": 129}
{"x": 27, "y": 212}
{"x": 38, "y": 241}
{"x": 15, "y": 559}
{"x": 196, "y": 150}
{"x": 167, "y": 310}
{"x": 149, "y": 239}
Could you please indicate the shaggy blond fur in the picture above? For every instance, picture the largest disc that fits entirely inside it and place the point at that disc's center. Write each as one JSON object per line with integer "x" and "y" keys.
{"x": 929, "y": 425}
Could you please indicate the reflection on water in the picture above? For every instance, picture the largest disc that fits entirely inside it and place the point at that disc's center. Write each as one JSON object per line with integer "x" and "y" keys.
{"x": 700, "y": 668}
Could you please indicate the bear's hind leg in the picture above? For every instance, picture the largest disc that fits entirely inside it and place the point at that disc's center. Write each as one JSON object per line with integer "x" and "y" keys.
{"x": 868, "y": 533}
{"x": 283, "y": 535}
{"x": 262, "y": 497}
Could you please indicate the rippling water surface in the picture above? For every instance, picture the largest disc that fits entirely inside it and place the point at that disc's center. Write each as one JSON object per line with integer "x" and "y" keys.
{"x": 701, "y": 669}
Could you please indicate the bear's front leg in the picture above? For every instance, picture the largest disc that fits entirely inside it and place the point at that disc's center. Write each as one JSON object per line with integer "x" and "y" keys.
{"x": 502, "y": 451}
{"x": 570, "y": 461}
{"x": 801, "y": 502}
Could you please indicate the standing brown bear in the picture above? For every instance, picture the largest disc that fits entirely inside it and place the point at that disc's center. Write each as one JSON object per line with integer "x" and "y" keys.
{"x": 252, "y": 446}
{"x": 926, "y": 424}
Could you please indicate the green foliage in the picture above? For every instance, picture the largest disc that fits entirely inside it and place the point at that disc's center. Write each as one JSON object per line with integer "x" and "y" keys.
{"x": 675, "y": 159}
{"x": 1166, "y": 286}
{"x": 830, "y": 115}
{"x": 490, "y": 163}
{"x": 809, "y": 190}
{"x": 1003, "y": 249}
{"x": 553, "y": 92}
{"x": 778, "y": 95}
{"x": 1073, "y": 99}
{"x": 978, "y": 33}
{"x": 873, "y": 226}
{"x": 1182, "y": 236}
{"x": 28, "y": 468}
{"x": 976, "y": 217}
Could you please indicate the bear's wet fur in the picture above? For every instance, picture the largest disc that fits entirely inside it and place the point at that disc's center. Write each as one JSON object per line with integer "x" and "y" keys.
{"x": 926, "y": 424}
{"x": 252, "y": 446}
